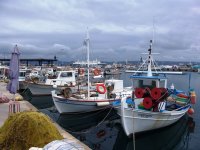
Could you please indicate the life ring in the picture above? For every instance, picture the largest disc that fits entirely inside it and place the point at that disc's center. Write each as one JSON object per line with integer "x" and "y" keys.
{"x": 80, "y": 71}
{"x": 96, "y": 72}
{"x": 101, "y": 88}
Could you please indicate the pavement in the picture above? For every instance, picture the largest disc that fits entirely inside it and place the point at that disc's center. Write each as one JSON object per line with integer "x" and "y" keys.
{"x": 26, "y": 106}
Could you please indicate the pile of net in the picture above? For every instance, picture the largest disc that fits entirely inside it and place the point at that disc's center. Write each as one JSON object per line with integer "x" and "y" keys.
{"x": 27, "y": 129}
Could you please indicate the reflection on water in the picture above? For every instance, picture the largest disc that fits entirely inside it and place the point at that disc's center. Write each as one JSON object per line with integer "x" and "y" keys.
{"x": 102, "y": 130}
{"x": 172, "y": 137}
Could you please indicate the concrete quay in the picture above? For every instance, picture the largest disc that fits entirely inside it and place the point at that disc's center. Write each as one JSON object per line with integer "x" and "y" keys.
{"x": 26, "y": 106}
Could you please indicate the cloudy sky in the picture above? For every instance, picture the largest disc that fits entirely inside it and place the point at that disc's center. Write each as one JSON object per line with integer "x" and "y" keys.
{"x": 119, "y": 29}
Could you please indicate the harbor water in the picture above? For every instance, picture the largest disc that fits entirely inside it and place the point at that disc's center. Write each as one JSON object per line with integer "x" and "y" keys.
{"x": 102, "y": 130}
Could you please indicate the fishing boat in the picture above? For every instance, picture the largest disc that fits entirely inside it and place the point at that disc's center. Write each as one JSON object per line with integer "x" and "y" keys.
{"x": 39, "y": 93}
{"x": 59, "y": 80}
{"x": 89, "y": 99}
{"x": 100, "y": 97}
{"x": 152, "y": 104}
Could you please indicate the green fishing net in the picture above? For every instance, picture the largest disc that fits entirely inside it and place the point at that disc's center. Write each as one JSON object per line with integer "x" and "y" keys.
{"x": 27, "y": 129}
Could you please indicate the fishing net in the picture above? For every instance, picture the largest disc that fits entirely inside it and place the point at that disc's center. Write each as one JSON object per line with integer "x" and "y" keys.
{"x": 27, "y": 129}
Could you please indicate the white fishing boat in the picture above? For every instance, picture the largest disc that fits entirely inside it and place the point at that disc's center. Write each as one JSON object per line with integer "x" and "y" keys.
{"x": 60, "y": 80}
{"x": 152, "y": 104}
{"x": 100, "y": 96}
{"x": 39, "y": 93}
{"x": 76, "y": 101}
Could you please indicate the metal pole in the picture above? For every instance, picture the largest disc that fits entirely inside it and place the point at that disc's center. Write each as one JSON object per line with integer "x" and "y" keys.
{"x": 88, "y": 62}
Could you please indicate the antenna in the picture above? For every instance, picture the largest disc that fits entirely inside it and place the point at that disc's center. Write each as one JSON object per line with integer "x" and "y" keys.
{"x": 153, "y": 34}
{"x": 149, "y": 73}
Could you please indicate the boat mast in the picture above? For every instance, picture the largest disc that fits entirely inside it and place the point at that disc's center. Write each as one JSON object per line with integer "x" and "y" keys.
{"x": 88, "y": 61}
{"x": 149, "y": 74}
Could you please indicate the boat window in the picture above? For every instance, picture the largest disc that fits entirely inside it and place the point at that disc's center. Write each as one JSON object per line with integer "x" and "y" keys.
{"x": 66, "y": 74}
{"x": 145, "y": 83}
{"x": 28, "y": 71}
{"x": 22, "y": 74}
{"x": 162, "y": 83}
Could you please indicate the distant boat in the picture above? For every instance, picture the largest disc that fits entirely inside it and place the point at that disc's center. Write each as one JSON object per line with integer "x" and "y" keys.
{"x": 152, "y": 105}
{"x": 155, "y": 69}
{"x": 157, "y": 72}
{"x": 39, "y": 93}
{"x": 60, "y": 80}
{"x": 111, "y": 71}
{"x": 92, "y": 63}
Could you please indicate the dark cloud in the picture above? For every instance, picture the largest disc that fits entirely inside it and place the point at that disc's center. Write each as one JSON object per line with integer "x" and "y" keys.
{"x": 119, "y": 29}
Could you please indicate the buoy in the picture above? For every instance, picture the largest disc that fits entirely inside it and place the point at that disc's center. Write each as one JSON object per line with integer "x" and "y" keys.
{"x": 193, "y": 97}
{"x": 139, "y": 92}
{"x": 80, "y": 71}
{"x": 158, "y": 93}
{"x": 190, "y": 111}
{"x": 147, "y": 102}
{"x": 101, "y": 133}
{"x": 96, "y": 72}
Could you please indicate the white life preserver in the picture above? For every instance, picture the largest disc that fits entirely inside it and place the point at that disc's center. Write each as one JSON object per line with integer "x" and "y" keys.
{"x": 101, "y": 88}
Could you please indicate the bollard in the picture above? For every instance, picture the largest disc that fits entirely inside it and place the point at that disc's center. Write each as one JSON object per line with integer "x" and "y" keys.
{"x": 14, "y": 107}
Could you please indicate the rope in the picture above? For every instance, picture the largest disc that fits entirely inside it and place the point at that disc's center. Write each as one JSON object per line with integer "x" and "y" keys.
{"x": 141, "y": 66}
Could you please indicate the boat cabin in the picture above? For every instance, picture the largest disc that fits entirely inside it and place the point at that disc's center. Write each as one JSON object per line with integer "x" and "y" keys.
{"x": 114, "y": 85}
{"x": 22, "y": 75}
{"x": 62, "y": 78}
{"x": 149, "y": 91}
{"x": 150, "y": 82}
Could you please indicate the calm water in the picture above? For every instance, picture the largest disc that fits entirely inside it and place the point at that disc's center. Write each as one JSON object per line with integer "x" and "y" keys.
{"x": 102, "y": 130}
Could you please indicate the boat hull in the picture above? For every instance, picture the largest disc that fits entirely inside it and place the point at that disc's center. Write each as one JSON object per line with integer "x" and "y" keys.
{"x": 40, "y": 101}
{"x": 137, "y": 120}
{"x": 68, "y": 105}
{"x": 39, "y": 88}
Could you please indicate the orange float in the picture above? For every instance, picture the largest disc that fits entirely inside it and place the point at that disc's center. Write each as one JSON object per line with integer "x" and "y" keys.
{"x": 81, "y": 71}
{"x": 96, "y": 72}
{"x": 193, "y": 97}
{"x": 190, "y": 111}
